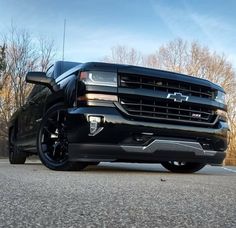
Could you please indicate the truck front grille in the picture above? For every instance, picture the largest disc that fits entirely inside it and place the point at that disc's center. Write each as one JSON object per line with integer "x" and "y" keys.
{"x": 166, "y": 85}
{"x": 166, "y": 109}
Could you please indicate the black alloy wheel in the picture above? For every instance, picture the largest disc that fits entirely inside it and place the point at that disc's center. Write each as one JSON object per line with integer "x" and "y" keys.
{"x": 52, "y": 141}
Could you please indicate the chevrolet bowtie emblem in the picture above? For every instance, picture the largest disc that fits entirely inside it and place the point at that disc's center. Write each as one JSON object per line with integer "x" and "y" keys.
{"x": 177, "y": 97}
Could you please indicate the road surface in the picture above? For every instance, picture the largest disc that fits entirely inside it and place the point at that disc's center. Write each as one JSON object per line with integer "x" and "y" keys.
{"x": 116, "y": 195}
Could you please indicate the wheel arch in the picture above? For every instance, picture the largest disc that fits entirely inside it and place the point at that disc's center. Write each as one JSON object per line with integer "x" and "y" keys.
{"x": 52, "y": 100}
{"x": 66, "y": 95}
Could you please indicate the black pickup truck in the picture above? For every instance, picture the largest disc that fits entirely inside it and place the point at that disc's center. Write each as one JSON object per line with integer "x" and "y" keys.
{"x": 79, "y": 114}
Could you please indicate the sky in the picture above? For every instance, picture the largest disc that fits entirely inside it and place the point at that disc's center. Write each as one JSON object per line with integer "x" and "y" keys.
{"x": 93, "y": 27}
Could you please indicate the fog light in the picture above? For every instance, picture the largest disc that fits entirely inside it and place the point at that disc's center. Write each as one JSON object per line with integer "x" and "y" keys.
{"x": 95, "y": 125}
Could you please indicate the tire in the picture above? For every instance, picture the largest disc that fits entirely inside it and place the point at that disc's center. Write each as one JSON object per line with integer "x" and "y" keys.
{"x": 16, "y": 156}
{"x": 182, "y": 167}
{"x": 52, "y": 143}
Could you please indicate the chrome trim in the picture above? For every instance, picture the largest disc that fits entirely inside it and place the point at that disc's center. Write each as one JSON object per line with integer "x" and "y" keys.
{"x": 175, "y": 95}
{"x": 170, "y": 145}
{"x": 147, "y": 133}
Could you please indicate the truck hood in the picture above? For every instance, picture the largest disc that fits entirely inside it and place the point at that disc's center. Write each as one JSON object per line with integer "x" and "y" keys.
{"x": 130, "y": 69}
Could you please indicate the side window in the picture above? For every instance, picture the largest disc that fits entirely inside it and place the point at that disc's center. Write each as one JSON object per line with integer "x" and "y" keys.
{"x": 50, "y": 72}
{"x": 36, "y": 89}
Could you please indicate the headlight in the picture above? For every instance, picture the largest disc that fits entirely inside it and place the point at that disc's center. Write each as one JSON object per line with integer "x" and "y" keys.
{"x": 99, "y": 78}
{"x": 220, "y": 97}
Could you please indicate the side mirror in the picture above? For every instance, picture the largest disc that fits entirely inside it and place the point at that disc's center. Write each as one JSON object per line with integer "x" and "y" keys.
{"x": 40, "y": 78}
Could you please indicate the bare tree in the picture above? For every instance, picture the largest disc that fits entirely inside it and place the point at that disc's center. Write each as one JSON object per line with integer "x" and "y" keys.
{"x": 124, "y": 55}
{"x": 22, "y": 54}
{"x": 152, "y": 61}
{"x": 2, "y": 64}
{"x": 173, "y": 56}
{"x": 47, "y": 53}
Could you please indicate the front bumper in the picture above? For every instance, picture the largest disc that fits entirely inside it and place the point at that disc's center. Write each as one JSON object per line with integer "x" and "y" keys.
{"x": 124, "y": 139}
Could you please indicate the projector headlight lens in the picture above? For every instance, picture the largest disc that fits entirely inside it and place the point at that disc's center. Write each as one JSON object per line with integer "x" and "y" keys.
{"x": 220, "y": 97}
{"x": 99, "y": 78}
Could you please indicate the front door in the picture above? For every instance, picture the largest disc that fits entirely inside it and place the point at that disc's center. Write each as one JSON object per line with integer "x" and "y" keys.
{"x": 31, "y": 115}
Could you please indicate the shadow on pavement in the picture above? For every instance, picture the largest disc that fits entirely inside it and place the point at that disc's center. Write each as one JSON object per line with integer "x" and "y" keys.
{"x": 134, "y": 168}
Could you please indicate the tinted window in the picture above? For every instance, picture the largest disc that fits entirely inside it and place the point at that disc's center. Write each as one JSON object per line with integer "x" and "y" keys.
{"x": 50, "y": 72}
{"x": 36, "y": 89}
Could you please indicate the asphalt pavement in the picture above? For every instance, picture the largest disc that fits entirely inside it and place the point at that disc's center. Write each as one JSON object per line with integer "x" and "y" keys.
{"x": 116, "y": 195}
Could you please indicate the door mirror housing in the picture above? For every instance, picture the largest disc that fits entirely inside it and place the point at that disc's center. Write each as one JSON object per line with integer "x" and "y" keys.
{"x": 40, "y": 78}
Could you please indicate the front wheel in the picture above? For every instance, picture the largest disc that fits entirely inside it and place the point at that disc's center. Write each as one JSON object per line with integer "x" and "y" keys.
{"x": 52, "y": 142}
{"x": 182, "y": 167}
